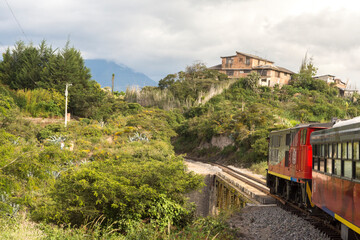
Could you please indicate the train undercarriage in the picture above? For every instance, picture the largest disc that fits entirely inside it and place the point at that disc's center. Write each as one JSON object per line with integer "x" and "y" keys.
{"x": 294, "y": 192}
{"x": 297, "y": 193}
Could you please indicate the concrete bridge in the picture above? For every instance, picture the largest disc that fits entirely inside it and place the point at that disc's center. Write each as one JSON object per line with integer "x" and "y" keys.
{"x": 222, "y": 192}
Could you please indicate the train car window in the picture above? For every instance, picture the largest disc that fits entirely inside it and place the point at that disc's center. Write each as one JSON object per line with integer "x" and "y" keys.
{"x": 326, "y": 151}
{"x": 303, "y": 136}
{"x": 357, "y": 172}
{"x": 315, "y": 147}
{"x": 334, "y": 151}
{"x": 322, "y": 165}
{"x": 350, "y": 150}
{"x": 294, "y": 138}
{"x": 337, "y": 167}
{"x": 356, "y": 150}
{"x": 329, "y": 165}
{"x": 315, "y": 163}
{"x": 318, "y": 150}
{"x": 274, "y": 155}
{"x": 330, "y": 151}
{"x": 286, "y": 158}
{"x": 276, "y": 141}
{"x": 344, "y": 150}
{"x": 338, "y": 150}
{"x": 288, "y": 139}
{"x": 348, "y": 169}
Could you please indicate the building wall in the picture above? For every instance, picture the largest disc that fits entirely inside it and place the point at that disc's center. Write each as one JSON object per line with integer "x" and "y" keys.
{"x": 239, "y": 66}
{"x": 242, "y": 62}
{"x": 236, "y": 73}
{"x": 273, "y": 77}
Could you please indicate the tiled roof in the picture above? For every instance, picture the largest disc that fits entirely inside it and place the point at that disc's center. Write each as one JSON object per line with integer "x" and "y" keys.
{"x": 249, "y": 55}
{"x": 216, "y": 67}
{"x": 254, "y": 56}
{"x": 326, "y": 75}
{"x": 273, "y": 67}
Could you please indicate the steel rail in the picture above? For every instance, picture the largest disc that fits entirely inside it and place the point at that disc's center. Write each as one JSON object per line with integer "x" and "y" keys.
{"x": 318, "y": 222}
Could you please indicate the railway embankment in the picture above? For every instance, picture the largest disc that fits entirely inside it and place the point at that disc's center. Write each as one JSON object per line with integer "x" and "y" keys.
{"x": 256, "y": 220}
{"x": 205, "y": 200}
{"x": 272, "y": 222}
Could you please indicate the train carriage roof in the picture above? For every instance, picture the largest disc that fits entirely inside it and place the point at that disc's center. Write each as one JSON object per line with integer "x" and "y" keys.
{"x": 342, "y": 131}
{"x": 305, "y": 125}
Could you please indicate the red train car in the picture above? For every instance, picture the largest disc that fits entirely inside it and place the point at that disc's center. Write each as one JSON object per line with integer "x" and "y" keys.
{"x": 336, "y": 174}
{"x": 290, "y": 162}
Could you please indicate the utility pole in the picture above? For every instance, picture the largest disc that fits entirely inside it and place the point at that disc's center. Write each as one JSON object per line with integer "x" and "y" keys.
{"x": 112, "y": 85}
{"x": 66, "y": 100}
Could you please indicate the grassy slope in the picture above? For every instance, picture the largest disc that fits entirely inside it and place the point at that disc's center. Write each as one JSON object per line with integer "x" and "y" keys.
{"x": 247, "y": 116}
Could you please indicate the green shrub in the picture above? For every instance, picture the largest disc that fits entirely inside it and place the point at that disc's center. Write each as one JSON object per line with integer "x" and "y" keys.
{"x": 50, "y": 130}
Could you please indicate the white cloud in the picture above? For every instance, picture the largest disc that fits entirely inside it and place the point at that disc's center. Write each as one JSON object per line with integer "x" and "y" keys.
{"x": 158, "y": 37}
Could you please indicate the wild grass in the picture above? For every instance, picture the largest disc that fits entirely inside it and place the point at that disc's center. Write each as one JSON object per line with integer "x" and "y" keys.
{"x": 164, "y": 99}
{"x": 259, "y": 168}
{"x": 19, "y": 228}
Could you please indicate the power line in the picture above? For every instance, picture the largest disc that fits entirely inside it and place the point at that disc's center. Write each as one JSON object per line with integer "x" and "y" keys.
{"x": 18, "y": 23}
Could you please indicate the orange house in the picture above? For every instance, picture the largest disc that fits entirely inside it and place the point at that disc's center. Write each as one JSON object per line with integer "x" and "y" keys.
{"x": 241, "y": 64}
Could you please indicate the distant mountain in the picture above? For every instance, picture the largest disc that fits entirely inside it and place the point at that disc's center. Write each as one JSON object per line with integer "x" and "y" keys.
{"x": 102, "y": 70}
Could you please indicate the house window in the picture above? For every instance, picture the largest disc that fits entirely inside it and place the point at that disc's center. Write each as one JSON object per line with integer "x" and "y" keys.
{"x": 264, "y": 73}
{"x": 277, "y": 74}
{"x": 229, "y": 61}
{"x": 230, "y": 72}
{"x": 241, "y": 59}
{"x": 247, "y": 61}
{"x": 247, "y": 71}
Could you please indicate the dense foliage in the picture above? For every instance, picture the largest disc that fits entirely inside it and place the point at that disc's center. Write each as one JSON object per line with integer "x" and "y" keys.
{"x": 182, "y": 90}
{"x": 114, "y": 169}
{"x": 112, "y": 174}
{"x": 124, "y": 171}
{"x": 26, "y": 68}
{"x": 246, "y": 113}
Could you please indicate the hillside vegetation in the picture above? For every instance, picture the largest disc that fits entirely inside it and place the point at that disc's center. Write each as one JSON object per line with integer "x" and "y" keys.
{"x": 110, "y": 174}
{"x": 115, "y": 171}
{"x": 244, "y": 113}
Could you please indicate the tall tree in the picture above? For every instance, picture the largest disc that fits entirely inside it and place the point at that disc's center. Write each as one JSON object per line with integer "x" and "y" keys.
{"x": 29, "y": 67}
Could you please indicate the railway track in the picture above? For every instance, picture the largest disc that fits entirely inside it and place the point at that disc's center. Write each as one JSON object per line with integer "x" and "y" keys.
{"x": 317, "y": 220}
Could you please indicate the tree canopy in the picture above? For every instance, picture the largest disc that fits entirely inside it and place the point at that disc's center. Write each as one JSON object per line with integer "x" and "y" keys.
{"x": 26, "y": 67}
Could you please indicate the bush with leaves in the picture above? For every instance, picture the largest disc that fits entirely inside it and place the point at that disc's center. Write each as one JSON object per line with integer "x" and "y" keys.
{"x": 123, "y": 187}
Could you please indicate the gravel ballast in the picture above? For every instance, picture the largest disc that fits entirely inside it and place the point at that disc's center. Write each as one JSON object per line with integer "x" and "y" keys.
{"x": 272, "y": 222}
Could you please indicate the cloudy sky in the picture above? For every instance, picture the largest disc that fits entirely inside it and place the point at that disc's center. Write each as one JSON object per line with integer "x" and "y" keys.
{"x": 158, "y": 37}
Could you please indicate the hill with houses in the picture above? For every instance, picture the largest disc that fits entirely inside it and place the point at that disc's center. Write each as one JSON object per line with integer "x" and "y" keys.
{"x": 241, "y": 64}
